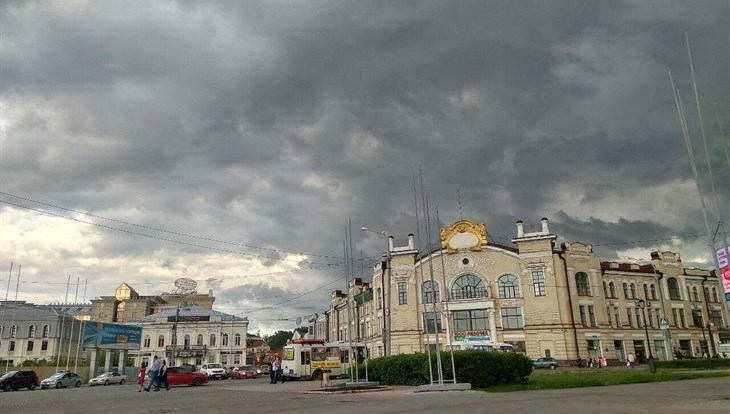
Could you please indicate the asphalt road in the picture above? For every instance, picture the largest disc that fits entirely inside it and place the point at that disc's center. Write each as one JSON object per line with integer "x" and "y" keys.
{"x": 710, "y": 395}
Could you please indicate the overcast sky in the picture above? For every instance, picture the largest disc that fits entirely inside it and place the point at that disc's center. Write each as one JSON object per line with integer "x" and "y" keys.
{"x": 232, "y": 142}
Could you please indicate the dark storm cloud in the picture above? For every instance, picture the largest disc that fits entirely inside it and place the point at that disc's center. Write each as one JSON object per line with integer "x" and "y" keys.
{"x": 272, "y": 123}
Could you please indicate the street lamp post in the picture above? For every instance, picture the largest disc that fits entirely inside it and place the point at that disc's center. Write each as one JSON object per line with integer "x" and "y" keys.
{"x": 386, "y": 307}
{"x": 701, "y": 321}
{"x": 652, "y": 368}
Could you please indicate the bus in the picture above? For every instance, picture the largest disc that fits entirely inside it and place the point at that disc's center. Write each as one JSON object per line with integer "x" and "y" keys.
{"x": 480, "y": 345}
{"x": 309, "y": 359}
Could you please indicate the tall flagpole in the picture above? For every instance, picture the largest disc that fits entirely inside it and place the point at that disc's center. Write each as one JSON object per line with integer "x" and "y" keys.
{"x": 15, "y": 307}
{"x": 5, "y": 305}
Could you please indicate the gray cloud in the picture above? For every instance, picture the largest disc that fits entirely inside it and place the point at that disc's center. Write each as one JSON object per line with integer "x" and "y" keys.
{"x": 270, "y": 124}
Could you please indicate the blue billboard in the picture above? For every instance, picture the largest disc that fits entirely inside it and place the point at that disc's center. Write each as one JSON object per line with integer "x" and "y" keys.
{"x": 112, "y": 336}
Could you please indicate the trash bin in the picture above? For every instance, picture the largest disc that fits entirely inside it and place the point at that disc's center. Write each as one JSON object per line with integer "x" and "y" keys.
{"x": 325, "y": 379}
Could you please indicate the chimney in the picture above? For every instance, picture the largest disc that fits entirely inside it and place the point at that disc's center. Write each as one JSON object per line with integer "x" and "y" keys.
{"x": 544, "y": 222}
{"x": 520, "y": 229}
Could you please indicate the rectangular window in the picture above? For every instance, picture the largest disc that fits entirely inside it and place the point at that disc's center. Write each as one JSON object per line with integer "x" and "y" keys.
{"x": 697, "y": 318}
{"x": 431, "y": 325}
{"x": 403, "y": 293}
{"x": 617, "y": 316}
{"x": 236, "y": 359}
{"x": 11, "y": 346}
{"x": 512, "y": 318}
{"x": 682, "y": 318}
{"x": 675, "y": 319}
{"x": 582, "y": 315}
{"x": 610, "y": 320}
{"x": 628, "y": 317}
{"x": 592, "y": 315}
{"x": 29, "y": 348}
{"x": 716, "y": 318}
{"x": 638, "y": 318}
{"x": 224, "y": 359}
{"x": 538, "y": 282}
{"x": 44, "y": 345}
{"x": 471, "y": 320}
{"x": 650, "y": 317}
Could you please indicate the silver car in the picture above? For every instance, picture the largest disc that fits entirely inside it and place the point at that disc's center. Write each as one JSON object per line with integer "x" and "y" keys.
{"x": 108, "y": 378}
{"x": 62, "y": 380}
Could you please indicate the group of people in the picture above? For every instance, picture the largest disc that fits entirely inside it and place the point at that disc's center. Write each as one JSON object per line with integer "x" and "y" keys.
{"x": 599, "y": 362}
{"x": 157, "y": 373}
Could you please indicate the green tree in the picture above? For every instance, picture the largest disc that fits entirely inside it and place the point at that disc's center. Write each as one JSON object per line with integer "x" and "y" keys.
{"x": 278, "y": 340}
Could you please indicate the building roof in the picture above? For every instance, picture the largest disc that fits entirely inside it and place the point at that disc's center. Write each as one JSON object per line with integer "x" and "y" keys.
{"x": 191, "y": 311}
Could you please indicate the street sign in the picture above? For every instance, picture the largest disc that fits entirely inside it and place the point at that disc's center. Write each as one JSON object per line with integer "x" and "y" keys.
{"x": 663, "y": 323}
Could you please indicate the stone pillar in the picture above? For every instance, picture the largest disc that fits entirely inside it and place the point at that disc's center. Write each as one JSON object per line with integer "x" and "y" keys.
{"x": 108, "y": 361}
{"x": 492, "y": 324}
{"x": 122, "y": 361}
{"x": 92, "y": 363}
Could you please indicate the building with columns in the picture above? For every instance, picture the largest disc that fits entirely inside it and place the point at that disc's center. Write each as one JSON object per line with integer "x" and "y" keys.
{"x": 545, "y": 300}
{"x": 203, "y": 336}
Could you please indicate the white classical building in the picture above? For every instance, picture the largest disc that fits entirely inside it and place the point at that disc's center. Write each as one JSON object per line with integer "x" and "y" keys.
{"x": 205, "y": 336}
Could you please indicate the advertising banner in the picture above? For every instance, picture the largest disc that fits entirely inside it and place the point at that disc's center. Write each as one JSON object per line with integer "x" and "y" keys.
{"x": 111, "y": 336}
{"x": 723, "y": 262}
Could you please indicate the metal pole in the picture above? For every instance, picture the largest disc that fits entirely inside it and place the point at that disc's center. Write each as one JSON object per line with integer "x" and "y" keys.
{"x": 666, "y": 333}
{"x": 652, "y": 368}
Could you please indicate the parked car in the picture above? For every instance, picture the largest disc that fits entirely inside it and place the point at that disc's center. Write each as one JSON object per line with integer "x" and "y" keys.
{"x": 62, "y": 380}
{"x": 183, "y": 376}
{"x": 244, "y": 372}
{"x": 546, "y": 362}
{"x": 214, "y": 371}
{"x": 107, "y": 378}
{"x": 263, "y": 369}
{"x": 15, "y": 380}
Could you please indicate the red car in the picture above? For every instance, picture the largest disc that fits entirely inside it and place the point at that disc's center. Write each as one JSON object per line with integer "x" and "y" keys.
{"x": 244, "y": 372}
{"x": 182, "y": 376}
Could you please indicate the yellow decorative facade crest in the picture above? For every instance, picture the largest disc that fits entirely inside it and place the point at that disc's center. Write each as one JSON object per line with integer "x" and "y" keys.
{"x": 463, "y": 234}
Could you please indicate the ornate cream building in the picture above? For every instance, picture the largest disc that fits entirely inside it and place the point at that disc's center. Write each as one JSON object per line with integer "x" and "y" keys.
{"x": 545, "y": 300}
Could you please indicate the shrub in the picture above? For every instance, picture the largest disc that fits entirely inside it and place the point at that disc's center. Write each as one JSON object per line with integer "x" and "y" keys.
{"x": 700, "y": 363}
{"x": 479, "y": 368}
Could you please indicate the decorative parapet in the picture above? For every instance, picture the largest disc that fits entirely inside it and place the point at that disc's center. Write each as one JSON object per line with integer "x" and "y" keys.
{"x": 463, "y": 235}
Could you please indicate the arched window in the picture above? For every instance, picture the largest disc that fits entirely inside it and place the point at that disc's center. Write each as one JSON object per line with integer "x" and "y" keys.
{"x": 626, "y": 290}
{"x": 161, "y": 341}
{"x": 13, "y": 331}
{"x": 707, "y": 294}
{"x": 646, "y": 291}
{"x": 378, "y": 300}
{"x": 186, "y": 341}
{"x": 31, "y": 331}
{"x": 46, "y": 331}
{"x": 430, "y": 293}
{"x": 237, "y": 339}
{"x": 509, "y": 287}
{"x": 633, "y": 291}
{"x": 714, "y": 295}
{"x": 224, "y": 340}
{"x": 695, "y": 296}
{"x": 652, "y": 288}
{"x": 605, "y": 290}
{"x": 673, "y": 287}
{"x": 146, "y": 342}
{"x": 581, "y": 284}
{"x": 199, "y": 340}
{"x": 612, "y": 289}
{"x": 468, "y": 287}
{"x": 212, "y": 339}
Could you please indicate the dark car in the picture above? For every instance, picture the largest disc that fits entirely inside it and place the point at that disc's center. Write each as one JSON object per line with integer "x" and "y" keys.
{"x": 546, "y": 362}
{"x": 15, "y": 380}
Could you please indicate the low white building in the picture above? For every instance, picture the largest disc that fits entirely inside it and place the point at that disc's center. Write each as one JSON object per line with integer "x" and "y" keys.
{"x": 205, "y": 336}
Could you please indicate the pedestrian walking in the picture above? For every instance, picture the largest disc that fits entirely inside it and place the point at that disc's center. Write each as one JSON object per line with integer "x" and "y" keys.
{"x": 141, "y": 376}
{"x": 154, "y": 375}
{"x": 275, "y": 367}
{"x": 163, "y": 376}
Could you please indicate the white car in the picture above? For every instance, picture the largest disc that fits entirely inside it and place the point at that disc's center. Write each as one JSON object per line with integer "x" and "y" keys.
{"x": 214, "y": 371}
{"x": 108, "y": 378}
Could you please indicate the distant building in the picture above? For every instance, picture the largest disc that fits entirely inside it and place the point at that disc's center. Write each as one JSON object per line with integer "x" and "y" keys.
{"x": 129, "y": 306}
{"x": 37, "y": 332}
{"x": 543, "y": 299}
{"x": 204, "y": 336}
